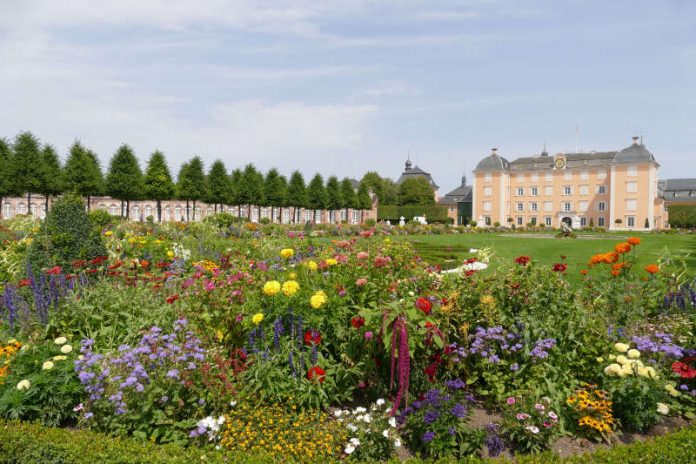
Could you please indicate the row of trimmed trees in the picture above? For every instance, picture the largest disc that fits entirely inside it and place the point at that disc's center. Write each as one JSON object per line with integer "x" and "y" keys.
{"x": 27, "y": 166}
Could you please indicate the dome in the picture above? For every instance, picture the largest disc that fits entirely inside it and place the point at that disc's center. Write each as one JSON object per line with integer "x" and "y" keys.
{"x": 493, "y": 162}
{"x": 635, "y": 153}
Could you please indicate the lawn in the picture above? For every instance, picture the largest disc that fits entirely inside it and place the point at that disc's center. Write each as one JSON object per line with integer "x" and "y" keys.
{"x": 449, "y": 250}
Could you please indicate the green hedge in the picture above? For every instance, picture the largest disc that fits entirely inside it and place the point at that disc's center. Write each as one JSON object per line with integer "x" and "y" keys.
{"x": 25, "y": 443}
{"x": 683, "y": 216}
{"x": 433, "y": 213}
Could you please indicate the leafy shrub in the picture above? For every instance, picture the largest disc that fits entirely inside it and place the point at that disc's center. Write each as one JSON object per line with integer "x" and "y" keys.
{"x": 41, "y": 384}
{"x": 223, "y": 220}
{"x": 65, "y": 237}
{"x": 100, "y": 219}
{"x": 529, "y": 424}
{"x": 372, "y": 432}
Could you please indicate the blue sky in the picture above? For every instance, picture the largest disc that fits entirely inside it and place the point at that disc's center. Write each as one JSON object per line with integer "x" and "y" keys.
{"x": 345, "y": 86}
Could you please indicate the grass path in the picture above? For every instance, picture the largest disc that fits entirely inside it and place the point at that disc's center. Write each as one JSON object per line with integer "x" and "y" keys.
{"x": 450, "y": 250}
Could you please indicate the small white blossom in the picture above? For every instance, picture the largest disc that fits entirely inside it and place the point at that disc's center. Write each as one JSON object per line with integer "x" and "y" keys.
{"x": 354, "y": 441}
{"x": 397, "y": 443}
{"x": 392, "y": 421}
{"x": 349, "y": 449}
{"x": 385, "y": 433}
{"x": 380, "y": 402}
{"x": 337, "y": 413}
{"x": 359, "y": 410}
{"x": 367, "y": 418}
{"x": 351, "y": 427}
{"x": 233, "y": 403}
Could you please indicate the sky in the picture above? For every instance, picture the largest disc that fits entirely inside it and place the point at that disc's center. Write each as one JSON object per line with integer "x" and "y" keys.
{"x": 341, "y": 87}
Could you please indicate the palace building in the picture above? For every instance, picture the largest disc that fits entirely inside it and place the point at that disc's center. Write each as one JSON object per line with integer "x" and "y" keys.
{"x": 617, "y": 190}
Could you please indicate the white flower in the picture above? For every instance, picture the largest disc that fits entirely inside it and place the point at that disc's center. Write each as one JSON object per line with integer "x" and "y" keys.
{"x": 633, "y": 353}
{"x": 65, "y": 349}
{"x": 337, "y": 413}
{"x": 662, "y": 408}
{"x": 621, "y": 347}
{"x": 367, "y": 418}
{"x": 351, "y": 427}
{"x": 233, "y": 403}
{"x": 397, "y": 443}
{"x": 59, "y": 358}
{"x": 349, "y": 449}
{"x": 354, "y": 441}
{"x": 47, "y": 366}
{"x": 60, "y": 341}
{"x": 359, "y": 410}
{"x": 359, "y": 418}
{"x": 23, "y": 385}
{"x": 532, "y": 429}
{"x": 380, "y": 402}
{"x": 385, "y": 433}
{"x": 392, "y": 421}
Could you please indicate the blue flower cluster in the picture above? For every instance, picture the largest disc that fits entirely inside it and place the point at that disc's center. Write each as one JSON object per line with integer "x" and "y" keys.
{"x": 658, "y": 344}
{"x": 123, "y": 375}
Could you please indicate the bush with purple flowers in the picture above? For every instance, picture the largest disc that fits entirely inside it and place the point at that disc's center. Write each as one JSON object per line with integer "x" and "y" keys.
{"x": 435, "y": 425}
{"x": 151, "y": 390}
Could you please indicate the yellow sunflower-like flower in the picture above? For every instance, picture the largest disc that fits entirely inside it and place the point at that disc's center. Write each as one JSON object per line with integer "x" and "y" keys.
{"x": 271, "y": 287}
{"x": 311, "y": 265}
{"x": 318, "y": 299}
{"x": 290, "y": 287}
{"x": 331, "y": 262}
{"x": 286, "y": 253}
{"x": 257, "y": 318}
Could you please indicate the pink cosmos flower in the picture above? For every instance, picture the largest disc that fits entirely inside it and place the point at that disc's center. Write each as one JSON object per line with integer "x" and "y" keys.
{"x": 368, "y": 335}
{"x": 523, "y": 416}
{"x": 362, "y": 255}
{"x": 548, "y": 424}
{"x": 553, "y": 416}
{"x": 511, "y": 400}
{"x": 539, "y": 407}
{"x": 209, "y": 285}
{"x": 361, "y": 281}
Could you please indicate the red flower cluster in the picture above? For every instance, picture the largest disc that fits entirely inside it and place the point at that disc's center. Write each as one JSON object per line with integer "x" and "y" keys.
{"x": 316, "y": 373}
{"x": 55, "y": 270}
{"x": 424, "y": 305}
{"x": 559, "y": 267}
{"x": 684, "y": 369}
{"x": 171, "y": 299}
{"x": 24, "y": 283}
{"x": 312, "y": 337}
{"x": 357, "y": 322}
{"x": 523, "y": 260}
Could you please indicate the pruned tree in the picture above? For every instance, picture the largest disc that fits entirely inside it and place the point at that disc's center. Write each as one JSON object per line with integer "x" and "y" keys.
{"x": 192, "y": 184}
{"x": 363, "y": 199}
{"x": 233, "y": 193}
{"x": 124, "y": 180}
{"x": 218, "y": 184}
{"x": 316, "y": 195}
{"x": 26, "y": 165}
{"x": 275, "y": 191}
{"x": 334, "y": 197}
{"x": 158, "y": 181}
{"x": 349, "y": 197}
{"x": 6, "y": 184}
{"x": 51, "y": 174}
{"x": 82, "y": 173}
{"x": 251, "y": 191}
{"x": 297, "y": 193}
{"x": 416, "y": 191}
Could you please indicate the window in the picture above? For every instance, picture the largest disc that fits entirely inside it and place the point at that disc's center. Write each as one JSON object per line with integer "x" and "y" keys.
{"x": 286, "y": 215}
{"x": 21, "y": 209}
{"x": 520, "y": 206}
{"x": 487, "y": 191}
{"x": 584, "y": 175}
{"x": 568, "y": 174}
{"x": 534, "y": 206}
{"x": 547, "y": 221}
{"x": 582, "y": 206}
{"x": 548, "y": 206}
{"x": 519, "y": 220}
{"x": 631, "y": 221}
{"x": 520, "y": 177}
{"x": 177, "y": 213}
{"x": 8, "y": 210}
{"x": 487, "y": 206}
{"x": 631, "y": 187}
{"x": 487, "y": 220}
{"x": 534, "y": 191}
{"x": 630, "y": 205}
{"x": 602, "y": 174}
{"x": 533, "y": 220}
{"x": 632, "y": 170}
{"x": 600, "y": 222}
{"x": 309, "y": 215}
{"x": 112, "y": 210}
{"x": 566, "y": 206}
{"x": 601, "y": 206}
{"x": 601, "y": 189}
{"x": 520, "y": 191}
{"x": 534, "y": 177}
{"x": 548, "y": 190}
{"x": 583, "y": 221}
{"x": 567, "y": 190}
{"x": 148, "y": 211}
{"x": 584, "y": 190}
{"x": 548, "y": 176}
{"x": 488, "y": 177}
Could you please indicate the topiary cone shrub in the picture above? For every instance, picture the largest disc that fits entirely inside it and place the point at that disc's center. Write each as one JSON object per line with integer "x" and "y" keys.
{"x": 66, "y": 236}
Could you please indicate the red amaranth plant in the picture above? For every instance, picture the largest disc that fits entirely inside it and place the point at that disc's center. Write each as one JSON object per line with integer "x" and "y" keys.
{"x": 400, "y": 332}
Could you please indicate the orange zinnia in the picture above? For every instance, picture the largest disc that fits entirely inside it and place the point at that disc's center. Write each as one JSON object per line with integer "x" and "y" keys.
{"x": 633, "y": 241}
{"x": 652, "y": 268}
{"x": 611, "y": 257}
{"x": 618, "y": 266}
{"x": 614, "y": 272}
{"x": 622, "y": 248}
{"x": 583, "y": 271}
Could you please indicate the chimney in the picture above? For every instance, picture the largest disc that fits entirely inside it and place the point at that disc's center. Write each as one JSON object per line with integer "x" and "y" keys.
{"x": 494, "y": 151}
{"x": 636, "y": 140}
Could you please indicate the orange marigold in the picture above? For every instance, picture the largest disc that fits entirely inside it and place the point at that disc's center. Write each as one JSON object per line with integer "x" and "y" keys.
{"x": 652, "y": 268}
{"x": 618, "y": 266}
{"x": 614, "y": 272}
{"x": 583, "y": 271}
{"x": 622, "y": 248}
{"x": 633, "y": 241}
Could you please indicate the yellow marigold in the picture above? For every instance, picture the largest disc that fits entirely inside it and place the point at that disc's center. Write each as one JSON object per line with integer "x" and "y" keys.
{"x": 488, "y": 300}
{"x": 257, "y": 318}
{"x": 633, "y": 353}
{"x": 290, "y": 287}
{"x": 271, "y": 287}
{"x": 286, "y": 253}
{"x": 170, "y": 254}
{"x": 311, "y": 265}
{"x": 108, "y": 233}
{"x": 47, "y": 366}
{"x": 331, "y": 262}
{"x": 318, "y": 299}
{"x": 621, "y": 347}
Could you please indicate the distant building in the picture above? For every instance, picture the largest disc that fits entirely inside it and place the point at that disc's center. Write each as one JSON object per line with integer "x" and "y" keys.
{"x": 412, "y": 172}
{"x": 678, "y": 191}
{"x": 459, "y": 203}
{"x": 617, "y": 190}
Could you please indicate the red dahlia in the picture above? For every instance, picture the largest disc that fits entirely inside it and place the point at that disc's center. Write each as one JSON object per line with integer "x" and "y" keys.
{"x": 316, "y": 373}
{"x": 424, "y": 305}
{"x": 357, "y": 322}
{"x": 684, "y": 369}
{"x": 312, "y": 337}
{"x": 523, "y": 260}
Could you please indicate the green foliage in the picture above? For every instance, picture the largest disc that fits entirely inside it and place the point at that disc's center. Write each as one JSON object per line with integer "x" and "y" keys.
{"x": 529, "y": 423}
{"x": 434, "y": 213}
{"x": 100, "y": 219}
{"x": 65, "y": 236}
{"x": 375, "y": 431}
{"x": 223, "y": 220}
{"x": 158, "y": 181}
{"x": 6, "y": 183}
{"x": 124, "y": 180}
{"x": 316, "y": 193}
{"x": 334, "y": 195}
{"x": 53, "y": 388}
{"x": 26, "y": 164}
{"x": 52, "y": 183}
{"x": 350, "y": 198}
{"x": 635, "y": 401}
{"x": 297, "y": 191}
{"x": 416, "y": 191}
{"x": 275, "y": 188}
{"x": 218, "y": 183}
{"x": 683, "y": 216}
{"x": 251, "y": 187}
{"x": 82, "y": 172}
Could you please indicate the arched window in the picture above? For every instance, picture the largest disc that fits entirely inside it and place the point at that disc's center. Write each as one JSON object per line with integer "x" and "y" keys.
{"x": 7, "y": 213}
{"x": 136, "y": 213}
{"x": 177, "y": 213}
{"x": 209, "y": 211}
{"x": 148, "y": 210}
{"x": 167, "y": 213}
{"x": 21, "y": 209}
{"x": 113, "y": 210}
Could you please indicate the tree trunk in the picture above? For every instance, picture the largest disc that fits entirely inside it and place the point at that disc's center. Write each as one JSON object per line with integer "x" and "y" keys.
{"x": 159, "y": 210}
{"x": 272, "y": 214}
{"x": 0, "y": 207}
{"x": 128, "y": 209}
{"x": 258, "y": 213}
{"x": 29, "y": 203}
{"x": 46, "y": 207}
{"x": 194, "y": 210}
{"x": 294, "y": 214}
{"x": 121, "y": 214}
{"x": 88, "y": 202}
{"x": 187, "y": 211}
{"x": 239, "y": 210}
{"x": 362, "y": 216}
